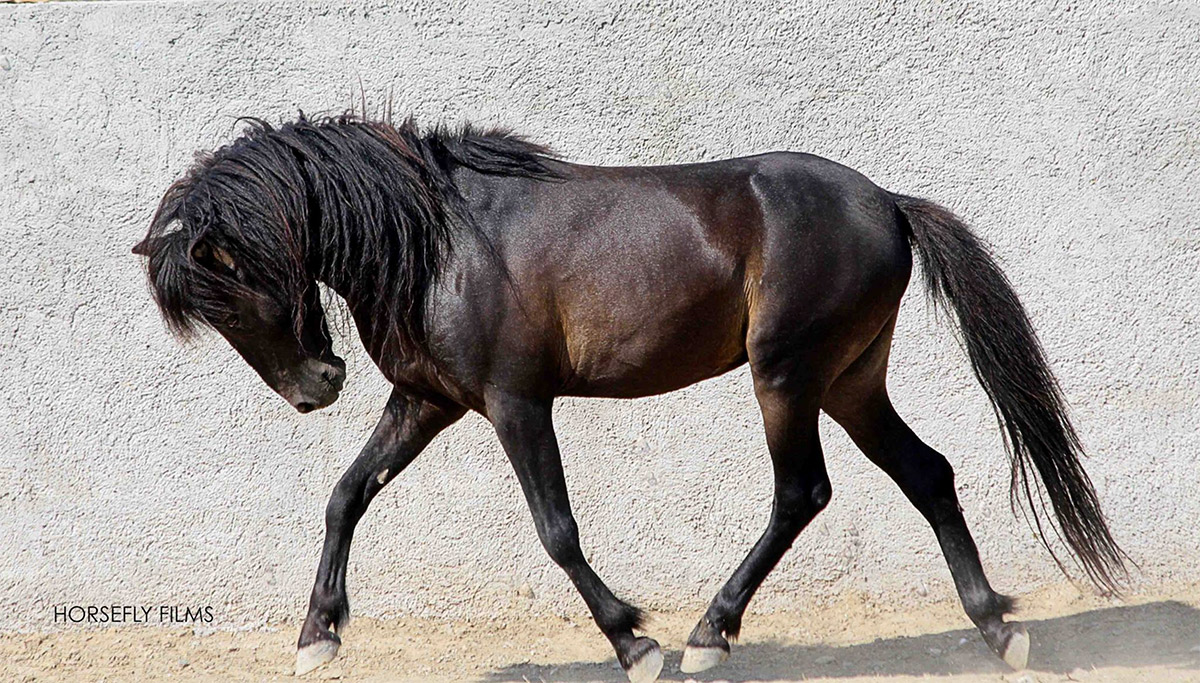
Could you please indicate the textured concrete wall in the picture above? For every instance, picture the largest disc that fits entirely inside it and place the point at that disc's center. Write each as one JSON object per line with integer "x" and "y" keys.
{"x": 139, "y": 471}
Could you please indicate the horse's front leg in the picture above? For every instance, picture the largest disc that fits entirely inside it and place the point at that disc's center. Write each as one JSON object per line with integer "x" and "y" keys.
{"x": 527, "y": 434}
{"x": 405, "y": 428}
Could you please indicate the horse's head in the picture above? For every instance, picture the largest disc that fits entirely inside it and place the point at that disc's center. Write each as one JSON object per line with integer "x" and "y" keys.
{"x": 223, "y": 253}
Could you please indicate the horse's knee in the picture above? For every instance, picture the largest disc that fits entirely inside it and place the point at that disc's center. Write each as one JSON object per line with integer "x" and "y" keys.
{"x": 336, "y": 510}
{"x": 801, "y": 501}
{"x": 346, "y": 503}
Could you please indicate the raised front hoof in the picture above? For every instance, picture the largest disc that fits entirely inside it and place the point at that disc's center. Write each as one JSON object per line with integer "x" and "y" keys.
{"x": 644, "y": 661}
{"x": 1016, "y": 646}
{"x": 705, "y": 649}
{"x": 314, "y": 655}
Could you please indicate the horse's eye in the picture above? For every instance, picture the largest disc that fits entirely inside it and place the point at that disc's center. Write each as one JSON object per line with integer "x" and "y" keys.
{"x": 233, "y": 322}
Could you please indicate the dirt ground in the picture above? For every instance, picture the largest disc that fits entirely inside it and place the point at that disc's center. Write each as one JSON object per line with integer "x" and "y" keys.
{"x": 1149, "y": 637}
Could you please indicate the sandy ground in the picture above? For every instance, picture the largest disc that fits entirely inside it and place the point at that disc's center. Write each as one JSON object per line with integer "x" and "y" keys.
{"x": 1149, "y": 637}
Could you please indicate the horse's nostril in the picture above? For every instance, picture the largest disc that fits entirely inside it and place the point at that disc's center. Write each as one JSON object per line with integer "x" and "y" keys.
{"x": 305, "y": 407}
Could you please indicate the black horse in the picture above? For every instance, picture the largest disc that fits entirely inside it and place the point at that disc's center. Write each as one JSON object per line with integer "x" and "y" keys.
{"x": 484, "y": 274}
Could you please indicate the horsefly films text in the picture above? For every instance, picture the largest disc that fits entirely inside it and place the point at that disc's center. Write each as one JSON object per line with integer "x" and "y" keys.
{"x": 133, "y": 614}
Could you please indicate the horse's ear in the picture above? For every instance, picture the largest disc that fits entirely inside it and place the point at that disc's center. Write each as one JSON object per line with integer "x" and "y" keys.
{"x": 212, "y": 256}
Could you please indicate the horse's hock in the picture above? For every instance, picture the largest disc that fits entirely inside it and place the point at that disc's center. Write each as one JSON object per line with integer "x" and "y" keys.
{"x": 1069, "y": 147}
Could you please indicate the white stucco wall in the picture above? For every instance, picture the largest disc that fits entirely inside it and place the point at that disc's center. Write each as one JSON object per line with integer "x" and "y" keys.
{"x": 135, "y": 470}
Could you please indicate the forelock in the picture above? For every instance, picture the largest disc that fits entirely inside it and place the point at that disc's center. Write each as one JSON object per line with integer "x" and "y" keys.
{"x": 229, "y": 199}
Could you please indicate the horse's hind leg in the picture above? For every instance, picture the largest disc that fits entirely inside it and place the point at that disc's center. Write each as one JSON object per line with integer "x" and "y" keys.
{"x": 858, "y": 401}
{"x": 790, "y": 408}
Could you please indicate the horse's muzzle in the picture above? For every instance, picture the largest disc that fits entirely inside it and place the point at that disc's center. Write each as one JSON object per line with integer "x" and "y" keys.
{"x": 316, "y": 384}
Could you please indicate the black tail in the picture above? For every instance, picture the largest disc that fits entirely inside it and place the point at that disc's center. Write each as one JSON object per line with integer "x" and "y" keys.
{"x": 1008, "y": 361}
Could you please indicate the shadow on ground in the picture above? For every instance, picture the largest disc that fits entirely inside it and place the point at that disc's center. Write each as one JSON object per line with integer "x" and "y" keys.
{"x": 1154, "y": 634}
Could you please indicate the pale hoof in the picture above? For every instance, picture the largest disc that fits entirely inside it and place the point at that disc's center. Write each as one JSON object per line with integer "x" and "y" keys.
{"x": 310, "y": 657}
{"x": 646, "y": 669}
{"x": 1016, "y": 653}
{"x": 697, "y": 659}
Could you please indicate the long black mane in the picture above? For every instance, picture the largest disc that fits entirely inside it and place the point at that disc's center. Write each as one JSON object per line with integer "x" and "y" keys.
{"x": 365, "y": 206}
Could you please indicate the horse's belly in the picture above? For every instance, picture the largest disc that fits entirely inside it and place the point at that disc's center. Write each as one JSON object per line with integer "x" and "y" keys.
{"x": 628, "y": 350}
